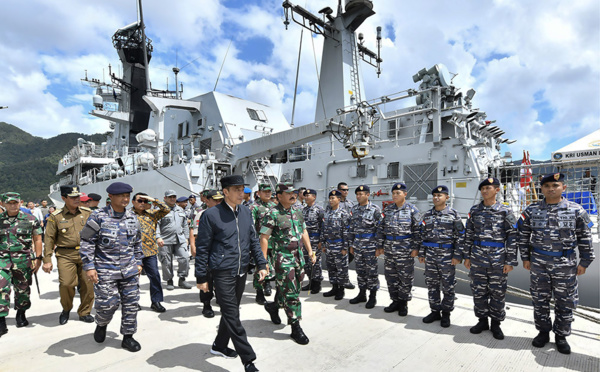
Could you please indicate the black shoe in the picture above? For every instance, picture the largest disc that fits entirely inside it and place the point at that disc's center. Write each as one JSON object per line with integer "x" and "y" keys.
{"x": 183, "y": 284}
{"x": 100, "y": 334}
{"x": 156, "y": 306}
{"x": 208, "y": 311}
{"x": 562, "y": 345}
{"x": 445, "y": 319}
{"x": 307, "y": 287}
{"x": 403, "y": 308}
{"x": 63, "y": 318}
{"x": 432, "y": 317}
{"x": 86, "y": 318}
{"x": 482, "y": 325}
{"x": 541, "y": 339}
{"x": 3, "y": 329}
{"x": 349, "y": 286}
{"x": 496, "y": 330}
{"x": 21, "y": 320}
{"x": 362, "y": 297}
{"x": 273, "y": 310}
{"x": 170, "y": 285}
{"x": 227, "y": 353}
{"x": 130, "y": 344}
{"x": 267, "y": 288}
{"x": 250, "y": 367}
{"x": 298, "y": 334}
{"x": 394, "y": 306}
{"x": 340, "y": 293}
{"x": 332, "y": 292}
{"x": 372, "y": 299}
{"x": 260, "y": 297}
{"x": 316, "y": 287}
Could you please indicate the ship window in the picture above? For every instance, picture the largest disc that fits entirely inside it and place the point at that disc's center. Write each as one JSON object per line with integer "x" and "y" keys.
{"x": 361, "y": 170}
{"x": 298, "y": 175}
{"x": 257, "y": 115}
{"x": 393, "y": 170}
{"x": 183, "y": 129}
{"x": 392, "y": 129}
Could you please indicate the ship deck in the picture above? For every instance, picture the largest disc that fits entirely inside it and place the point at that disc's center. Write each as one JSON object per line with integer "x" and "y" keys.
{"x": 343, "y": 337}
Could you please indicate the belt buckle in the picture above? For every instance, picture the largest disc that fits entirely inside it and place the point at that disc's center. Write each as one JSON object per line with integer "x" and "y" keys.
{"x": 77, "y": 247}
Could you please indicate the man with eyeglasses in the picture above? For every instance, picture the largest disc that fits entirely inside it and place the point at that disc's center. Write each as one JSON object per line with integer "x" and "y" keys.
{"x": 148, "y": 219}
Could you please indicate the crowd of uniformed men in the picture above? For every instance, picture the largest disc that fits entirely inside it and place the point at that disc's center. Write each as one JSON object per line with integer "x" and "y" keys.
{"x": 281, "y": 237}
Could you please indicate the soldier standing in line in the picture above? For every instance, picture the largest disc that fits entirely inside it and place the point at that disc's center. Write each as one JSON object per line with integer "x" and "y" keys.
{"x": 490, "y": 253}
{"x": 248, "y": 202}
{"x": 362, "y": 230}
{"x": 549, "y": 232}
{"x": 62, "y": 231}
{"x": 313, "y": 218}
{"x": 334, "y": 239}
{"x": 111, "y": 251}
{"x": 95, "y": 200}
{"x": 259, "y": 210}
{"x": 399, "y": 238}
{"x": 284, "y": 227}
{"x": 442, "y": 233}
{"x": 17, "y": 261}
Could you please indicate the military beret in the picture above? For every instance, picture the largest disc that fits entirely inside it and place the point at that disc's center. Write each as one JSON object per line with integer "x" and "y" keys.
{"x": 11, "y": 196}
{"x": 440, "y": 189}
{"x": 284, "y": 187}
{"x": 69, "y": 190}
{"x": 233, "y": 180}
{"x": 192, "y": 196}
{"x": 362, "y": 188}
{"x": 554, "y": 177}
{"x": 399, "y": 186}
{"x": 170, "y": 193}
{"x": 94, "y": 197}
{"x": 117, "y": 188}
{"x": 264, "y": 186}
{"x": 310, "y": 191}
{"x": 182, "y": 199}
{"x": 247, "y": 190}
{"x": 335, "y": 193}
{"x": 84, "y": 197}
{"x": 492, "y": 181}
{"x": 215, "y": 195}
{"x": 205, "y": 192}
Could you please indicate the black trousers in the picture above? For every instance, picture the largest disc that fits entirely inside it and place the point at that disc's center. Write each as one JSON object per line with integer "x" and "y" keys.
{"x": 229, "y": 290}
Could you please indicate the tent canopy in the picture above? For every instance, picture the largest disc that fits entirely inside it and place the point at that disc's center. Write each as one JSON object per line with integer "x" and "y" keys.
{"x": 585, "y": 148}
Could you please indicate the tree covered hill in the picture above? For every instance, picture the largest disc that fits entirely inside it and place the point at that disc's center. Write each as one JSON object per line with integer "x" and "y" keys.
{"x": 28, "y": 164}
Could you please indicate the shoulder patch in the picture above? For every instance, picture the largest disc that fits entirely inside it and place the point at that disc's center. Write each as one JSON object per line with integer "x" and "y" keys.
{"x": 57, "y": 212}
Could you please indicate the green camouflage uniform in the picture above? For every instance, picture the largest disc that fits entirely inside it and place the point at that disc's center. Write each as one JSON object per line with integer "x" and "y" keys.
{"x": 259, "y": 210}
{"x": 16, "y": 259}
{"x": 286, "y": 228}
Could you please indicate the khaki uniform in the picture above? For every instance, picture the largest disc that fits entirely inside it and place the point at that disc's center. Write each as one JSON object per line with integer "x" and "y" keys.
{"x": 62, "y": 231}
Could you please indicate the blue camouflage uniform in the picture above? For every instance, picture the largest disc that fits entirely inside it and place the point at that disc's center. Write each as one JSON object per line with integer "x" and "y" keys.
{"x": 490, "y": 243}
{"x": 334, "y": 237}
{"x": 313, "y": 218}
{"x": 362, "y": 231}
{"x": 112, "y": 246}
{"x": 548, "y": 236}
{"x": 442, "y": 233}
{"x": 398, "y": 235}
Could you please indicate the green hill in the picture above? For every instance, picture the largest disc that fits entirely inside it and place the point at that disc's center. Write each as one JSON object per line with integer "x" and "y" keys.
{"x": 28, "y": 164}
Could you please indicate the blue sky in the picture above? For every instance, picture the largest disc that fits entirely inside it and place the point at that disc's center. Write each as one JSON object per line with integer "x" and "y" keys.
{"x": 534, "y": 64}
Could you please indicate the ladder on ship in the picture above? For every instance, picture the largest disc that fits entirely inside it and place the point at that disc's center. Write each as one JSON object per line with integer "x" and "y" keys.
{"x": 258, "y": 166}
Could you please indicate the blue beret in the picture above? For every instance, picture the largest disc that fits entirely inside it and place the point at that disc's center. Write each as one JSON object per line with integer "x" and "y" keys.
{"x": 335, "y": 193}
{"x": 399, "y": 186}
{"x": 182, "y": 199}
{"x": 492, "y": 181}
{"x": 554, "y": 177}
{"x": 247, "y": 190}
{"x": 362, "y": 188}
{"x": 440, "y": 189}
{"x": 310, "y": 191}
{"x": 192, "y": 196}
{"x": 117, "y": 188}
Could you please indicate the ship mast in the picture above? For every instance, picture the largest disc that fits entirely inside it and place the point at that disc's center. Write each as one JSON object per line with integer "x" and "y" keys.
{"x": 145, "y": 47}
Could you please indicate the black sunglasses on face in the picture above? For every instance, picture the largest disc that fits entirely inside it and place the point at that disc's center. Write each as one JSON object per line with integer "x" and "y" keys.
{"x": 143, "y": 201}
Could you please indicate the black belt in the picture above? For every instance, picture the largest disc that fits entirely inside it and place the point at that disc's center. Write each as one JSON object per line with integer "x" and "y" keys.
{"x": 68, "y": 247}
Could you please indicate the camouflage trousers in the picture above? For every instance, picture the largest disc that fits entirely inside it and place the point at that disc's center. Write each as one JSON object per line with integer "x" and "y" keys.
{"x": 553, "y": 276}
{"x": 399, "y": 271}
{"x": 489, "y": 291}
{"x": 337, "y": 264}
{"x": 271, "y": 276}
{"x": 110, "y": 293}
{"x": 317, "y": 274}
{"x": 366, "y": 264}
{"x": 440, "y": 273}
{"x": 19, "y": 276}
{"x": 289, "y": 276}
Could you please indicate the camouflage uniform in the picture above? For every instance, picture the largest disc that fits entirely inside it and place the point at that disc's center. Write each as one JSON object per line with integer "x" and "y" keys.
{"x": 113, "y": 247}
{"x": 313, "y": 218}
{"x": 490, "y": 243}
{"x": 259, "y": 210}
{"x": 285, "y": 228}
{"x": 334, "y": 236}
{"x": 362, "y": 230}
{"x": 399, "y": 234}
{"x": 442, "y": 233}
{"x": 548, "y": 235}
{"x": 16, "y": 259}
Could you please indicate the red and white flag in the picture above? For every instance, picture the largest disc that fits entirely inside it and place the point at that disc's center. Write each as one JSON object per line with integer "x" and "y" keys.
{"x": 526, "y": 173}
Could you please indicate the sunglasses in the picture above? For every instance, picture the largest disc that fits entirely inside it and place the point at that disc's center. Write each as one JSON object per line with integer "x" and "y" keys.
{"x": 344, "y": 189}
{"x": 143, "y": 201}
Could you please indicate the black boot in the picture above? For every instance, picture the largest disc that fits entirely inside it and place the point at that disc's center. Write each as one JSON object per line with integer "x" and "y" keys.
{"x": 267, "y": 288}
{"x": 20, "y": 318}
{"x": 433, "y": 316}
{"x": 130, "y": 344}
{"x": 207, "y": 311}
{"x": 445, "y": 319}
{"x": 307, "y": 287}
{"x": 316, "y": 287}
{"x": 362, "y": 297}
{"x": 482, "y": 325}
{"x": 260, "y": 297}
{"x": 3, "y": 328}
{"x": 372, "y": 299}
{"x": 394, "y": 306}
{"x": 340, "y": 293}
{"x": 403, "y": 309}
{"x": 273, "y": 310}
{"x": 298, "y": 334}
{"x": 332, "y": 292}
{"x": 496, "y": 330}
{"x": 541, "y": 339}
{"x": 562, "y": 345}
{"x": 100, "y": 334}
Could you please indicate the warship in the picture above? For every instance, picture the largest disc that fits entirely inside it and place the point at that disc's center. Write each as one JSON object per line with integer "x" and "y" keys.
{"x": 423, "y": 136}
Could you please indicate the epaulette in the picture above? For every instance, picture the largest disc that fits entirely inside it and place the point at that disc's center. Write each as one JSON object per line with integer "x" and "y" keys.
{"x": 57, "y": 212}
{"x": 85, "y": 209}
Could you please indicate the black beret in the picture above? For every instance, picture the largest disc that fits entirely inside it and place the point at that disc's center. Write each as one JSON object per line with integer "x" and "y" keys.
{"x": 310, "y": 191}
{"x": 440, "y": 189}
{"x": 492, "y": 181}
{"x": 335, "y": 193}
{"x": 69, "y": 190}
{"x": 192, "y": 196}
{"x": 554, "y": 177}
{"x": 362, "y": 188}
{"x": 117, "y": 188}
{"x": 399, "y": 186}
{"x": 233, "y": 180}
{"x": 94, "y": 197}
